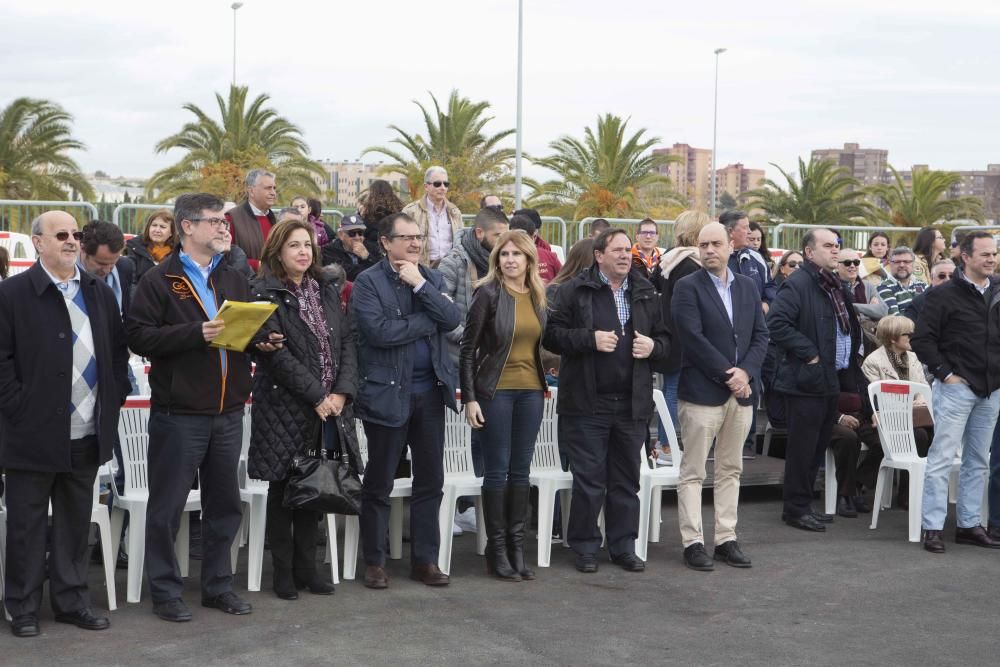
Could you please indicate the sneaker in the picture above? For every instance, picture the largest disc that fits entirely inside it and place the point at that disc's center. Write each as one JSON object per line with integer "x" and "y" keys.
{"x": 456, "y": 530}
{"x": 749, "y": 454}
{"x": 665, "y": 458}
{"x": 466, "y": 520}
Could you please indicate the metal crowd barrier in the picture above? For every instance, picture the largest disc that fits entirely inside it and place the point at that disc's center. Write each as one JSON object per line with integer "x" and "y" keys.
{"x": 789, "y": 235}
{"x": 16, "y": 214}
{"x": 631, "y": 225}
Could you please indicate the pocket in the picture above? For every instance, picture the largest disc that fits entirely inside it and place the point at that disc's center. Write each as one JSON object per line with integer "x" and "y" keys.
{"x": 810, "y": 378}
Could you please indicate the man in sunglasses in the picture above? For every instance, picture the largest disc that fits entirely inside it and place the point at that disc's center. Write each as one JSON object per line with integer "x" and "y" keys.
{"x": 848, "y": 268}
{"x": 898, "y": 290}
{"x": 63, "y": 379}
{"x": 349, "y": 249}
{"x": 941, "y": 273}
{"x": 439, "y": 220}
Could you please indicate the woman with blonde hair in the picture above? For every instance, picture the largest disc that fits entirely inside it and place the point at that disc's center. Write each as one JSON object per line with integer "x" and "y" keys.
{"x": 503, "y": 389}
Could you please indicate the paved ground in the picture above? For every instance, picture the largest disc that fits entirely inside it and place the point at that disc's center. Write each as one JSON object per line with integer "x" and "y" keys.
{"x": 851, "y": 596}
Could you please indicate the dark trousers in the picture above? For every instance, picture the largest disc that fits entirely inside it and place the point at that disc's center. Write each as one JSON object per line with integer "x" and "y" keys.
{"x": 994, "y": 481}
{"x": 604, "y": 457}
{"x": 508, "y": 437}
{"x": 28, "y": 496}
{"x": 424, "y": 432}
{"x": 180, "y": 447}
{"x": 810, "y": 422}
{"x": 292, "y": 535}
{"x": 846, "y": 445}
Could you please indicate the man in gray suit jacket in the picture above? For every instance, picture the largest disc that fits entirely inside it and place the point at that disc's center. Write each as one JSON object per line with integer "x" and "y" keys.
{"x": 718, "y": 315}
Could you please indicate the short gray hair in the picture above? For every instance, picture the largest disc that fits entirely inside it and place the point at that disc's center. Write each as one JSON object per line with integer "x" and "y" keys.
{"x": 256, "y": 174}
{"x": 433, "y": 170}
{"x": 289, "y": 210}
{"x": 36, "y": 226}
{"x": 902, "y": 250}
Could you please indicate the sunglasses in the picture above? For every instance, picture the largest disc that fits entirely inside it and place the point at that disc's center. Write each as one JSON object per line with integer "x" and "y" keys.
{"x": 438, "y": 184}
{"x": 64, "y": 236}
{"x": 851, "y": 262}
{"x": 943, "y": 276}
{"x": 355, "y": 232}
{"x": 792, "y": 263}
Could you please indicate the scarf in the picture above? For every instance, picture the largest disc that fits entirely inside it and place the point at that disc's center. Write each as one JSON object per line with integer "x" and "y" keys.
{"x": 900, "y": 364}
{"x": 479, "y": 255}
{"x": 648, "y": 262}
{"x": 831, "y": 284}
{"x": 321, "y": 238}
{"x": 311, "y": 312}
{"x": 673, "y": 257}
{"x": 158, "y": 252}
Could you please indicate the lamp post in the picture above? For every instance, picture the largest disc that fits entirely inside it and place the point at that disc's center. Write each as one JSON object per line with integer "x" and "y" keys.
{"x": 715, "y": 124}
{"x": 517, "y": 149}
{"x": 235, "y": 6}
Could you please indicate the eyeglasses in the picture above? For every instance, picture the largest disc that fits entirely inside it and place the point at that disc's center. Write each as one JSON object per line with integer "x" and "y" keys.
{"x": 901, "y": 261}
{"x": 792, "y": 263}
{"x": 408, "y": 237}
{"x": 648, "y": 233}
{"x": 353, "y": 233}
{"x": 64, "y": 236}
{"x": 217, "y": 223}
{"x": 942, "y": 276}
{"x": 438, "y": 184}
{"x": 954, "y": 244}
{"x": 851, "y": 262}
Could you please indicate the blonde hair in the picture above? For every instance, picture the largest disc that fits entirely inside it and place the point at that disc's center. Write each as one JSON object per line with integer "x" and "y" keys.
{"x": 532, "y": 279}
{"x": 892, "y": 327}
{"x": 688, "y": 225}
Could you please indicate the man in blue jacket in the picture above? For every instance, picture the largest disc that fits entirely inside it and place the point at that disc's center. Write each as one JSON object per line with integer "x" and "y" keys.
{"x": 718, "y": 315}
{"x": 405, "y": 381}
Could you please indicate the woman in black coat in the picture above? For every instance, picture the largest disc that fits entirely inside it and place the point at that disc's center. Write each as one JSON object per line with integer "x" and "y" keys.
{"x": 153, "y": 245}
{"x": 301, "y": 393}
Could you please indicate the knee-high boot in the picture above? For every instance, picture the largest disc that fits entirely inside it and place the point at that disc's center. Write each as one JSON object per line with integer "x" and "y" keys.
{"x": 517, "y": 527}
{"x": 495, "y": 511}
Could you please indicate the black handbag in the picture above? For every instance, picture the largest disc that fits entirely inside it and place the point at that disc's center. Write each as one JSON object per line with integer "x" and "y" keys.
{"x": 322, "y": 484}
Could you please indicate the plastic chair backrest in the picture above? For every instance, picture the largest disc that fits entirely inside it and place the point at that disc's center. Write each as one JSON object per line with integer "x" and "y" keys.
{"x": 134, "y": 440}
{"x": 457, "y": 445}
{"x": 893, "y": 403}
{"x": 668, "y": 426}
{"x": 546, "y": 455}
{"x": 362, "y": 442}
{"x": 13, "y": 241}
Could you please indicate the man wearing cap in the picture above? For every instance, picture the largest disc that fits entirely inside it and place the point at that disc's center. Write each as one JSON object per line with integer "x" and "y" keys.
{"x": 439, "y": 220}
{"x": 350, "y": 250}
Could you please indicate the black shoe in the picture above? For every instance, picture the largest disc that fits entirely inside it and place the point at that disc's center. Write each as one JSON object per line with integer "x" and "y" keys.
{"x": 586, "y": 563}
{"x": 976, "y": 536}
{"x": 24, "y": 626}
{"x": 805, "y": 522}
{"x": 861, "y": 504}
{"x": 933, "y": 541}
{"x": 284, "y": 586}
{"x": 629, "y": 562}
{"x": 845, "y": 508}
{"x": 229, "y": 602}
{"x": 84, "y": 618}
{"x": 495, "y": 517}
{"x": 518, "y": 511}
{"x": 993, "y": 532}
{"x": 172, "y": 610}
{"x": 822, "y": 517}
{"x": 731, "y": 554}
{"x": 319, "y": 586}
{"x": 696, "y": 558}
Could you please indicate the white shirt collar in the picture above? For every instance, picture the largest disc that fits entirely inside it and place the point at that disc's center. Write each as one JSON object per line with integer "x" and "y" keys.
{"x": 257, "y": 211}
{"x": 56, "y": 281}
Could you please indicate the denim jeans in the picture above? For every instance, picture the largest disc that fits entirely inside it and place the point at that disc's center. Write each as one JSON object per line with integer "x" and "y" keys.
{"x": 507, "y": 440}
{"x": 959, "y": 417}
{"x": 670, "y": 381}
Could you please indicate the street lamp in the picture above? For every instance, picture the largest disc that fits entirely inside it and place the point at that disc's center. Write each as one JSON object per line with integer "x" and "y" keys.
{"x": 517, "y": 149}
{"x": 715, "y": 124}
{"x": 235, "y": 6}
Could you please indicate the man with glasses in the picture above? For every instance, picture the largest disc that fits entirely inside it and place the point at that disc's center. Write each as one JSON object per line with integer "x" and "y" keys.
{"x": 252, "y": 220}
{"x": 63, "y": 361}
{"x": 438, "y": 219}
{"x": 349, "y": 249}
{"x": 645, "y": 254}
{"x": 898, "y": 290}
{"x": 407, "y": 380}
{"x": 848, "y": 269}
{"x": 198, "y": 397}
{"x": 941, "y": 272}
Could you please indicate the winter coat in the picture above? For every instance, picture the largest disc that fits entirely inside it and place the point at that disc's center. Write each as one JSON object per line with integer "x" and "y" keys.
{"x": 418, "y": 211}
{"x": 460, "y": 278}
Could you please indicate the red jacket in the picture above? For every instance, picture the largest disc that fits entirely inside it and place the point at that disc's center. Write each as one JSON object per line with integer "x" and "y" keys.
{"x": 548, "y": 263}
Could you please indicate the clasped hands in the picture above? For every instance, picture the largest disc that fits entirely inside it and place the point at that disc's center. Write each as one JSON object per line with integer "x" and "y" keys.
{"x": 738, "y": 382}
{"x": 333, "y": 405}
{"x": 607, "y": 341}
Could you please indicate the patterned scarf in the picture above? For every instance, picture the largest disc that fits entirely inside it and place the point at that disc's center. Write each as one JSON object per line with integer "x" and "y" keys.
{"x": 311, "y": 312}
{"x": 900, "y": 364}
{"x": 832, "y": 285}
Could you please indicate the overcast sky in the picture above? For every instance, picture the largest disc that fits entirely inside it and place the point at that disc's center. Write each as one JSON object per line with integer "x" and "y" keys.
{"x": 915, "y": 77}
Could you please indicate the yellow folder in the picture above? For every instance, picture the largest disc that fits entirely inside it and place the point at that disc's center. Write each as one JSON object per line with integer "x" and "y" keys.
{"x": 243, "y": 320}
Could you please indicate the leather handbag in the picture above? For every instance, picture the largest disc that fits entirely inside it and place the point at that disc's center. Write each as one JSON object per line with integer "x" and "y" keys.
{"x": 321, "y": 484}
{"x": 922, "y": 417}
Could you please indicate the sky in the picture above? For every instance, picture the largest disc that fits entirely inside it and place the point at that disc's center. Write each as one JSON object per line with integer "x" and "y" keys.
{"x": 917, "y": 78}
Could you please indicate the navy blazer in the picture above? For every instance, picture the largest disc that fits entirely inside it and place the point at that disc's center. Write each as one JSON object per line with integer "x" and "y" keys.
{"x": 713, "y": 345}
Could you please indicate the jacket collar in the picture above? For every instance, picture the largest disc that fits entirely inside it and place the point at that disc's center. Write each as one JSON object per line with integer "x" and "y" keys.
{"x": 40, "y": 279}
{"x": 639, "y": 286}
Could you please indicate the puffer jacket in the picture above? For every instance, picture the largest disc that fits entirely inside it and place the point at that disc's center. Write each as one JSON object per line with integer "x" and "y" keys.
{"x": 489, "y": 334}
{"x": 287, "y": 385}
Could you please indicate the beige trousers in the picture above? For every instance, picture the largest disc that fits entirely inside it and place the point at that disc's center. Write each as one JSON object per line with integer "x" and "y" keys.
{"x": 727, "y": 425}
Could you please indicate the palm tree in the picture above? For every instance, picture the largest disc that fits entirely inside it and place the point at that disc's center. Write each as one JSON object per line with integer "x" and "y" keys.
{"x": 922, "y": 202}
{"x": 605, "y": 174}
{"x": 219, "y": 154}
{"x": 823, "y": 194}
{"x": 34, "y": 141}
{"x": 455, "y": 140}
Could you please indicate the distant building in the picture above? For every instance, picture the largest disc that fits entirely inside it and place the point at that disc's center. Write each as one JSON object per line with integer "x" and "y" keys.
{"x": 350, "y": 179}
{"x": 692, "y": 175}
{"x": 868, "y": 165}
{"x": 113, "y": 190}
{"x": 735, "y": 179}
{"x": 982, "y": 184}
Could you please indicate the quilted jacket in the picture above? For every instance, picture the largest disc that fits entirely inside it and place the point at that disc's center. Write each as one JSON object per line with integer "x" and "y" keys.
{"x": 287, "y": 385}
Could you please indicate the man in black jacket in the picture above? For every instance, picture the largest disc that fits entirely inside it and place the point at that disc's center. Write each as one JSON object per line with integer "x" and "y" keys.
{"x": 197, "y": 402}
{"x": 718, "y": 315}
{"x": 958, "y": 338}
{"x": 817, "y": 335}
{"x": 607, "y": 326}
{"x": 63, "y": 357}
{"x": 349, "y": 249}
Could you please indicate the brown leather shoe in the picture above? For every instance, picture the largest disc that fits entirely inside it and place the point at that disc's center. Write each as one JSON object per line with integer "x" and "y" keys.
{"x": 976, "y": 536}
{"x": 933, "y": 541}
{"x": 375, "y": 577}
{"x": 993, "y": 532}
{"x": 429, "y": 574}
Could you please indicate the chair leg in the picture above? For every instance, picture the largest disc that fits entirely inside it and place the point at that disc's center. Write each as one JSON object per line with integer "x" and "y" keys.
{"x": 480, "y": 527}
{"x": 916, "y": 500}
{"x": 446, "y": 517}
{"x": 117, "y": 521}
{"x": 645, "y": 498}
{"x": 546, "y": 508}
{"x": 566, "y": 499}
{"x": 103, "y": 521}
{"x": 396, "y": 528}
{"x": 880, "y": 481}
{"x": 352, "y": 533}
{"x": 830, "y": 483}
{"x": 234, "y": 550}
{"x": 255, "y": 550}
{"x": 331, "y": 544}
{"x": 767, "y": 442}
{"x": 182, "y": 545}
{"x": 655, "y": 514}
{"x": 136, "y": 553}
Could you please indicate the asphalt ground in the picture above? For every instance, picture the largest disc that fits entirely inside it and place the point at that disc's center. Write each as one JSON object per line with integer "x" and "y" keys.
{"x": 849, "y": 596}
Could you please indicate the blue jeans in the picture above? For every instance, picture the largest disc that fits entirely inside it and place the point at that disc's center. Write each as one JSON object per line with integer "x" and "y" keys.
{"x": 994, "y": 519}
{"x": 508, "y": 438}
{"x": 959, "y": 416}
{"x": 670, "y": 381}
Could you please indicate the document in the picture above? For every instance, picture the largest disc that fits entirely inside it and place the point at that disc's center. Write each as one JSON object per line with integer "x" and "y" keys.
{"x": 243, "y": 321}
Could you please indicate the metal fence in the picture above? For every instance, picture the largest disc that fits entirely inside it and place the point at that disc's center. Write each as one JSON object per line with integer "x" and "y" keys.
{"x": 554, "y": 228}
{"x": 788, "y": 236}
{"x": 16, "y": 214}
{"x": 630, "y": 225}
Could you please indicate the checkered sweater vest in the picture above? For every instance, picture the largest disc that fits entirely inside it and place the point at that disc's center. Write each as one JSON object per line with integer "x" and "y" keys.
{"x": 83, "y": 398}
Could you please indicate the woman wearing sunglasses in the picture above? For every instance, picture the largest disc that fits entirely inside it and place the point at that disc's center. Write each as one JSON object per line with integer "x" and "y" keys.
{"x": 787, "y": 265}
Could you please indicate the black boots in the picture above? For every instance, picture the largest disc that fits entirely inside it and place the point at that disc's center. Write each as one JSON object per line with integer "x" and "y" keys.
{"x": 517, "y": 526}
{"x": 495, "y": 511}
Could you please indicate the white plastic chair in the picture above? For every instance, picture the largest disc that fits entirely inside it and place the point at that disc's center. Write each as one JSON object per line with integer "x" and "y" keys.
{"x": 253, "y": 495}
{"x": 558, "y": 251}
{"x": 652, "y": 481}
{"x": 101, "y": 516}
{"x": 132, "y": 432}
{"x": 552, "y": 481}
{"x": 459, "y": 480}
{"x": 894, "y": 402}
{"x": 18, "y": 245}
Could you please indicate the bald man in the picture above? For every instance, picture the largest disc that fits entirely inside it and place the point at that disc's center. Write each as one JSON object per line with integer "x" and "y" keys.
{"x": 717, "y": 314}
{"x": 63, "y": 379}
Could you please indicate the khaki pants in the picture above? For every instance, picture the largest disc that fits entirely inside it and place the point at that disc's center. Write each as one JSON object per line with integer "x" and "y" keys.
{"x": 727, "y": 425}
